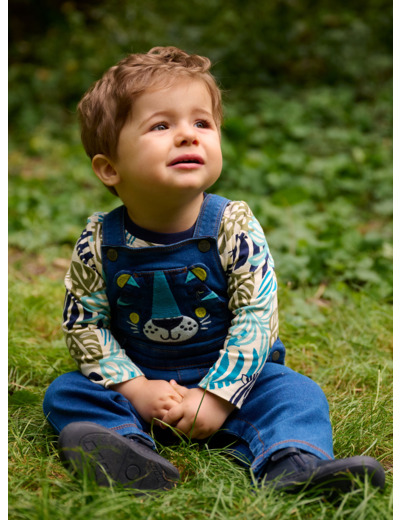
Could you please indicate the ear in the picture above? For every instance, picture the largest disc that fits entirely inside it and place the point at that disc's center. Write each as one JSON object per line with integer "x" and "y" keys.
{"x": 104, "y": 169}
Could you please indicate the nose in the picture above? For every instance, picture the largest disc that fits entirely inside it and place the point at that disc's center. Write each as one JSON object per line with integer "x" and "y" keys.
{"x": 168, "y": 323}
{"x": 186, "y": 135}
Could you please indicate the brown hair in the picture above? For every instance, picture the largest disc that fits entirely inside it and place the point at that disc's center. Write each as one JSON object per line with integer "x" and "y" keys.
{"x": 106, "y": 106}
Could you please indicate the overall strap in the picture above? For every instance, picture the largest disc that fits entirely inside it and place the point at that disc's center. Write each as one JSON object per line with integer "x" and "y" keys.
{"x": 209, "y": 219}
{"x": 113, "y": 227}
{"x": 208, "y": 222}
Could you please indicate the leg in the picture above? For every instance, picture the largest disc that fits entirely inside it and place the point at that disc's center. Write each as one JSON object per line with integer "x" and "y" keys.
{"x": 72, "y": 397}
{"x": 283, "y": 430}
{"x": 284, "y": 409}
{"x": 101, "y": 434}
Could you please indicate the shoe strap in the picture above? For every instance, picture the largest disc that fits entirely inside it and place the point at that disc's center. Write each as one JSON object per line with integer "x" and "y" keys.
{"x": 278, "y": 455}
{"x": 140, "y": 440}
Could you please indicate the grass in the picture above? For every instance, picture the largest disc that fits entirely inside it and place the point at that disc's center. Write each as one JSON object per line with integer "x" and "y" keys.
{"x": 340, "y": 338}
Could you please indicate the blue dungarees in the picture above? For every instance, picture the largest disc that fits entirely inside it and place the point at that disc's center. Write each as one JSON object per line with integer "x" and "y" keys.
{"x": 169, "y": 313}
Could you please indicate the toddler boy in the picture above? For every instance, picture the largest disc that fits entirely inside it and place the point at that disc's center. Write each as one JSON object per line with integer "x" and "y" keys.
{"x": 171, "y": 304}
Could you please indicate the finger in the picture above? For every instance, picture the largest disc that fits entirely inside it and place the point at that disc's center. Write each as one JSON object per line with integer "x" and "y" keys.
{"x": 192, "y": 430}
{"x": 184, "y": 426}
{"x": 159, "y": 417}
{"x": 173, "y": 415}
{"x": 157, "y": 422}
{"x": 160, "y": 423}
{"x": 168, "y": 405}
{"x": 175, "y": 397}
{"x": 182, "y": 390}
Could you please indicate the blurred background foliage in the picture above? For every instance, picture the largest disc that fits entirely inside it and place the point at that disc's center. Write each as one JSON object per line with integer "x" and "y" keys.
{"x": 307, "y": 137}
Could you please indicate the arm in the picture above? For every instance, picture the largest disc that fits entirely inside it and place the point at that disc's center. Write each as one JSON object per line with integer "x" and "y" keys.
{"x": 87, "y": 314}
{"x": 89, "y": 339}
{"x": 252, "y": 291}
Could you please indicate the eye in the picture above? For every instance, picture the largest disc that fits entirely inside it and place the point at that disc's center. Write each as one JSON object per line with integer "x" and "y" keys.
{"x": 134, "y": 317}
{"x": 202, "y": 124}
{"x": 159, "y": 126}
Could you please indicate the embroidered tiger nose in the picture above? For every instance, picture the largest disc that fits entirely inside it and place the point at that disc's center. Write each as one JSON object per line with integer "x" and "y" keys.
{"x": 168, "y": 323}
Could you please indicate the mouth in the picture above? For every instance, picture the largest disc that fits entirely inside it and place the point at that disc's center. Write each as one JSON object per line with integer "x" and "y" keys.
{"x": 186, "y": 160}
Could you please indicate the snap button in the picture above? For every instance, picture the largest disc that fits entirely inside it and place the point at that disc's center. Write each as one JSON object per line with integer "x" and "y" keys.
{"x": 112, "y": 255}
{"x": 275, "y": 355}
{"x": 204, "y": 246}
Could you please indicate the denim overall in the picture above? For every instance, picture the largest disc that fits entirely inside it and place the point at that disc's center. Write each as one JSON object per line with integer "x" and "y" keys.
{"x": 169, "y": 313}
{"x": 169, "y": 303}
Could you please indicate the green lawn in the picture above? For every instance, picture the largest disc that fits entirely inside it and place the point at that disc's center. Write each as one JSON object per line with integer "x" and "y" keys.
{"x": 344, "y": 344}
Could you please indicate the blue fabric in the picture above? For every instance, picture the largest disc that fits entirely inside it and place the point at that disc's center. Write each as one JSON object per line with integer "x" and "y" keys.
{"x": 155, "y": 237}
{"x": 284, "y": 408}
{"x": 179, "y": 292}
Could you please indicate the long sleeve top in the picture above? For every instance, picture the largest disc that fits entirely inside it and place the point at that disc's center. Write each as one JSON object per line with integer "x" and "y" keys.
{"x": 252, "y": 300}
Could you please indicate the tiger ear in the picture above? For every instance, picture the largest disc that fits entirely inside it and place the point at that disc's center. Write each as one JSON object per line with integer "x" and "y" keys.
{"x": 105, "y": 170}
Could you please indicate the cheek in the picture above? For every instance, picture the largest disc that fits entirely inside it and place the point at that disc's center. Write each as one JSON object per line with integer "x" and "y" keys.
{"x": 152, "y": 149}
{"x": 218, "y": 160}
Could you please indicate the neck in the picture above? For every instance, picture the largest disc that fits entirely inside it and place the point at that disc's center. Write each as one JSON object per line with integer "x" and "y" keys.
{"x": 168, "y": 218}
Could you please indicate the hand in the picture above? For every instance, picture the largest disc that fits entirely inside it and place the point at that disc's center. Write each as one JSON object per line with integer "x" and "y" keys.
{"x": 211, "y": 415}
{"x": 152, "y": 399}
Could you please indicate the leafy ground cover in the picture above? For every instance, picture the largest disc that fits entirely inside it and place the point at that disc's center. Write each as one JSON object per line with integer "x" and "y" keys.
{"x": 315, "y": 166}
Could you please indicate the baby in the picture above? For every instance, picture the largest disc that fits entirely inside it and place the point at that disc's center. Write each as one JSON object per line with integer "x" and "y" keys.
{"x": 171, "y": 305}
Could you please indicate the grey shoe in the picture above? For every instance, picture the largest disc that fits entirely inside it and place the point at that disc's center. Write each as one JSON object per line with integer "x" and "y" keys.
{"x": 110, "y": 457}
{"x": 292, "y": 469}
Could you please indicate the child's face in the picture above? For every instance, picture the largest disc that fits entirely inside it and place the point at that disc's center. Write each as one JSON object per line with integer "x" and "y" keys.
{"x": 170, "y": 146}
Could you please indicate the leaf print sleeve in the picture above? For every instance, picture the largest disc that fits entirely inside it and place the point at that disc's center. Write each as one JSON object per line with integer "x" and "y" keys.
{"x": 87, "y": 314}
{"x": 252, "y": 291}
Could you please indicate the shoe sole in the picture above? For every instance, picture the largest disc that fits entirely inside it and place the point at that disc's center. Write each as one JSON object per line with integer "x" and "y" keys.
{"x": 91, "y": 449}
{"x": 336, "y": 475}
